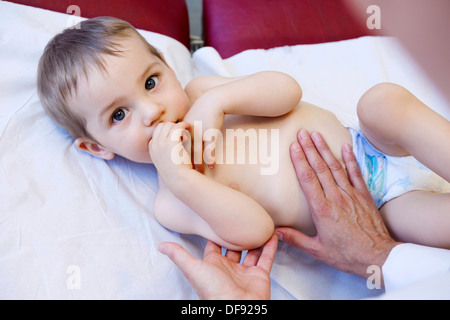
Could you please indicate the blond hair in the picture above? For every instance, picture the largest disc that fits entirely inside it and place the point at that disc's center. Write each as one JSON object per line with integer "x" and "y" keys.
{"x": 70, "y": 55}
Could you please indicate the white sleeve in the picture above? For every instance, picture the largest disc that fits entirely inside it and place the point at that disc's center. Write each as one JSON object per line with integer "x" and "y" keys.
{"x": 409, "y": 263}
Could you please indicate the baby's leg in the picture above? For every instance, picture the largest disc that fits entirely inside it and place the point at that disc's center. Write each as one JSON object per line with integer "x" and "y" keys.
{"x": 399, "y": 124}
{"x": 419, "y": 217}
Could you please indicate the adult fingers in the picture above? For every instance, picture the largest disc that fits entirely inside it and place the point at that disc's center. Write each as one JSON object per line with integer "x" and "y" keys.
{"x": 183, "y": 259}
{"x": 305, "y": 174}
{"x": 234, "y": 256}
{"x": 298, "y": 240}
{"x": 353, "y": 171}
{"x": 333, "y": 164}
{"x": 268, "y": 254}
{"x": 317, "y": 163}
{"x": 211, "y": 248}
{"x": 252, "y": 257}
{"x": 262, "y": 256}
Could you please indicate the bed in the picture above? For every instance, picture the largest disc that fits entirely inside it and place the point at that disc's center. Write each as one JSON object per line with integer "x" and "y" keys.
{"x": 76, "y": 227}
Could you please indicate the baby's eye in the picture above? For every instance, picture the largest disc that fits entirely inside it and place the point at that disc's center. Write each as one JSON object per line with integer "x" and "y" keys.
{"x": 119, "y": 115}
{"x": 151, "y": 82}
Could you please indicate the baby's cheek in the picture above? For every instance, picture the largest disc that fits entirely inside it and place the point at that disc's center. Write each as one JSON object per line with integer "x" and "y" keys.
{"x": 138, "y": 152}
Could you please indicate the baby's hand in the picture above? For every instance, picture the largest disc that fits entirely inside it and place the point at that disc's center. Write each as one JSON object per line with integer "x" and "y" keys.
{"x": 166, "y": 147}
{"x": 206, "y": 118}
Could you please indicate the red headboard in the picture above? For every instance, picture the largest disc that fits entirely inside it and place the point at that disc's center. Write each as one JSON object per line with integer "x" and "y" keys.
{"x": 232, "y": 26}
{"x": 166, "y": 17}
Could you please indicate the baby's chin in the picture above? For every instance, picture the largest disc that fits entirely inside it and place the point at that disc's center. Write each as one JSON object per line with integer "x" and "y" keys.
{"x": 141, "y": 159}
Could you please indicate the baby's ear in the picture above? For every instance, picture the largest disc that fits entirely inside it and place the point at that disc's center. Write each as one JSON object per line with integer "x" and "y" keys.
{"x": 94, "y": 148}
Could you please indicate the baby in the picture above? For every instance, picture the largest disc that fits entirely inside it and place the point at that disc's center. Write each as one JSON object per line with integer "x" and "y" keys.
{"x": 115, "y": 94}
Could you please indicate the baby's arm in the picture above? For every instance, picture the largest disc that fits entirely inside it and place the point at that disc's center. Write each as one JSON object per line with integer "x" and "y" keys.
{"x": 267, "y": 93}
{"x": 190, "y": 202}
{"x": 196, "y": 204}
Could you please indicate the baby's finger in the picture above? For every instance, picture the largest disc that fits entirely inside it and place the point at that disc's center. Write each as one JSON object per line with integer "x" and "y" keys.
{"x": 184, "y": 125}
{"x": 209, "y": 153}
{"x": 157, "y": 130}
{"x": 174, "y": 131}
{"x": 163, "y": 130}
{"x": 177, "y": 134}
{"x": 213, "y": 141}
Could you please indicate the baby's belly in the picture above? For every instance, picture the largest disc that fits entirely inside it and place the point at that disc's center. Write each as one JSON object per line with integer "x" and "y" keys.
{"x": 266, "y": 172}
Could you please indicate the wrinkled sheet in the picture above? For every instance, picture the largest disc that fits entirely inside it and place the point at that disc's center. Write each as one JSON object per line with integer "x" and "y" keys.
{"x": 76, "y": 227}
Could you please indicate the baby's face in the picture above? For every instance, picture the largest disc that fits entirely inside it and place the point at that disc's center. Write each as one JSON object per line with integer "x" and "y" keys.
{"x": 123, "y": 105}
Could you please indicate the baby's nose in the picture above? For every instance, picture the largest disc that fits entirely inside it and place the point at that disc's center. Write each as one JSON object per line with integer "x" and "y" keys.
{"x": 152, "y": 114}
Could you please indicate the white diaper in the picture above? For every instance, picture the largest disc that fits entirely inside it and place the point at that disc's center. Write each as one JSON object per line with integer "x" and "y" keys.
{"x": 388, "y": 177}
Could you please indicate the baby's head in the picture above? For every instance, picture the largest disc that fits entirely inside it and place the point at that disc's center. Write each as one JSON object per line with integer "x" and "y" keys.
{"x": 108, "y": 88}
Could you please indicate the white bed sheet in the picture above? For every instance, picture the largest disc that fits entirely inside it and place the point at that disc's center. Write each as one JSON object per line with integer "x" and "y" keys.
{"x": 76, "y": 227}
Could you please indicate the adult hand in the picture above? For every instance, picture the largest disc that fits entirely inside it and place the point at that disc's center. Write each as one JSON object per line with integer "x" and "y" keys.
{"x": 351, "y": 234}
{"x": 223, "y": 277}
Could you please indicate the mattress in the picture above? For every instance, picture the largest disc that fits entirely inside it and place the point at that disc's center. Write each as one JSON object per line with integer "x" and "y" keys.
{"x": 77, "y": 227}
